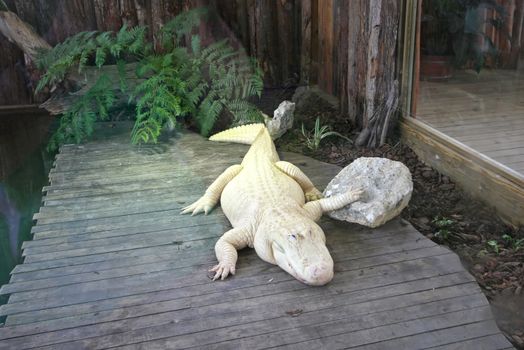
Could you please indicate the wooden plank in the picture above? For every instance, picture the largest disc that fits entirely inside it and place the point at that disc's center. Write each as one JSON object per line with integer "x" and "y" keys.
{"x": 313, "y": 326}
{"x": 65, "y": 243}
{"x": 474, "y": 129}
{"x": 42, "y": 270}
{"x": 306, "y": 42}
{"x": 158, "y": 325}
{"x": 490, "y": 342}
{"x": 491, "y": 118}
{"x": 151, "y": 333}
{"x": 136, "y": 242}
{"x": 201, "y": 248}
{"x": 483, "y": 178}
{"x": 510, "y": 158}
{"x": 389, "y": 288}
{"x": 22, "y": 110}
{"x": 56, "y": 319}
{"x": 476, "y": 110}
{"x": 104, "y": 223}
{"x": 373, "y": 247}
{"x": 396, "y": 336}
{"x": 516, "y": 150}
{"x": 494, "y": 144}
{"x": 439, "y": 336}
{"x": 111, "y": 266}
{"x": 325, "y": 77}
{"x": 120, "y": 287}
{"x": 82, "y": 184}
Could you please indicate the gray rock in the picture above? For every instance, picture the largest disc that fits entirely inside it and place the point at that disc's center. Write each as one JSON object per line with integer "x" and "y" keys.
{"x": 282, "y": 119}
{"x": 299, "y": 93}
{"x": 387, "y": 189}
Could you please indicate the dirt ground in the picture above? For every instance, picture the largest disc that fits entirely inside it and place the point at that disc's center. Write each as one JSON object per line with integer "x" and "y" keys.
{"x": 492, "y": 251}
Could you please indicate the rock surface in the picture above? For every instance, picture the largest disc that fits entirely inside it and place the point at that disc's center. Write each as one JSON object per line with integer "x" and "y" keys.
{"x": 387, "y": 185}
{"x": 282, "y": 119}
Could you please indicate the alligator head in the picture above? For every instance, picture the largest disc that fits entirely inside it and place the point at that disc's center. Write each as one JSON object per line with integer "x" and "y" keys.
{"x": 298, "y": 245}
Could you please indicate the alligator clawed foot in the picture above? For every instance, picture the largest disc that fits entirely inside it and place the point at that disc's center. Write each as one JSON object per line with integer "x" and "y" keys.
{"x": 204, "y": 204}
{"x": 356, "y": 193}
{"x": 313, "y": 195}
{"x": 222, "y": 270}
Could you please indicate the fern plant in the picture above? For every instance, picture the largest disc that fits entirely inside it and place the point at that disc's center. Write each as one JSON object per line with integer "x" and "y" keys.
{"x": 78, "y": 121}
{"x": 184, "y": 80}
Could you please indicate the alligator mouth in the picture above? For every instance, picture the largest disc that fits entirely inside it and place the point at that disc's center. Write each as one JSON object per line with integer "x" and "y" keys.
{"x": 282, "y": 261}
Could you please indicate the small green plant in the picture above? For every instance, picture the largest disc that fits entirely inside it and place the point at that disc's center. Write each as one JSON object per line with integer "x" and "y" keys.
{"x": 494, "y": 245}
{"x": 179, "y": 81}
{"x": 512, "y": 242}
{"x": 442, "y": 222}
{"x": 315, "y": 136}
{"x": 444, "y": 225}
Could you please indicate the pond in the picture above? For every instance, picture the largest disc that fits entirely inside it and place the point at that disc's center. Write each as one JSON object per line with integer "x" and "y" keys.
{"x": 24, "y": 165}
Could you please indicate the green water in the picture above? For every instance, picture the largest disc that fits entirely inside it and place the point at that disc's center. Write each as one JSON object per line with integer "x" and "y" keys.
{"x": 20, "y": 198}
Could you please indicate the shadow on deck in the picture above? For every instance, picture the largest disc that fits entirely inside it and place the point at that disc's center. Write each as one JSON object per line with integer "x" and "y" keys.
{"x": 113, "y": 264}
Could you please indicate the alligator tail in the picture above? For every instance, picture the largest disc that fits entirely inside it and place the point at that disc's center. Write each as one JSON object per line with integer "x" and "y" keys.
{"x": 241, "y": 134}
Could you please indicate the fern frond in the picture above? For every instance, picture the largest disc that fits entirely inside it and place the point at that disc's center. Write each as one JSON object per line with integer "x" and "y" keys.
{"x": 189, "y": 79}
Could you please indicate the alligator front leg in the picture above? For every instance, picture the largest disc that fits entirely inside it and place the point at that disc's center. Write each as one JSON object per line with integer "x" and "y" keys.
{"x": 291, "y": 170}
{"x": 226, "y": 250}
{"x": 318, "y": 207}
{"x": 213, "y": 192}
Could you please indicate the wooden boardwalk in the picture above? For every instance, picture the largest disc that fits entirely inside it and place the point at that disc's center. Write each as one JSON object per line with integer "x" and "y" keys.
{"x": 113, "y": 265}
{"x": 485, "y": 112}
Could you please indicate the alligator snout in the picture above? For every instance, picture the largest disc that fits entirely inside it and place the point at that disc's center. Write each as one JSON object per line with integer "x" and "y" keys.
{"x": 319, "y": 274}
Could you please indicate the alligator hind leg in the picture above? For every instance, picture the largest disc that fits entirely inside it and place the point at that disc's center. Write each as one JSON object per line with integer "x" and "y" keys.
{"x": 213, "y": 192}
{"x": 291, "y": 170}
{"x": 318, "y": 207}
{"x": 226, "y": 250}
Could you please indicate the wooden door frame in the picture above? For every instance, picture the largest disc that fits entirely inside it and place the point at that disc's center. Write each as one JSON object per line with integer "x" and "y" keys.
{"x": 480, "y": 176}
{"x": 409, "y": 55}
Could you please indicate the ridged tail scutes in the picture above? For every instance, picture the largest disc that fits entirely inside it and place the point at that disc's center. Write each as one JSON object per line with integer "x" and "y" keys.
{"x": 245, "y": 134}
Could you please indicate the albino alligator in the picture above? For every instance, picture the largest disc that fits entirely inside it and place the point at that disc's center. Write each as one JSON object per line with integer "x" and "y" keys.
{"x": 265, "y": 201}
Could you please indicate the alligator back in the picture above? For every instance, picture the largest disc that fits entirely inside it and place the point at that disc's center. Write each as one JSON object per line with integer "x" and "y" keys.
{"x": 260, "y": 184}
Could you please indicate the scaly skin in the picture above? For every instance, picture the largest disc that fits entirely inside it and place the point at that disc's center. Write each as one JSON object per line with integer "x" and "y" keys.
{"x": 273, "y": 207}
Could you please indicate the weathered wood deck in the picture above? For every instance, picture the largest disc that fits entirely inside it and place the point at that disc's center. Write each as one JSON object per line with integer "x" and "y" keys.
{"x": 485, "y": 112}
{"x": 113, "y": 265}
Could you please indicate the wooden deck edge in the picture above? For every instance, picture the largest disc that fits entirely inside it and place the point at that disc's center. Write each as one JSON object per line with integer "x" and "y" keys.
{"x": 483, "y": 178}
{"x": 31, "y": 109}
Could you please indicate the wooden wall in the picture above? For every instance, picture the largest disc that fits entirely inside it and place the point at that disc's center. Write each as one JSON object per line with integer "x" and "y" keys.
{"x": 346, "y": 47}
{"x": 270, "y": 31}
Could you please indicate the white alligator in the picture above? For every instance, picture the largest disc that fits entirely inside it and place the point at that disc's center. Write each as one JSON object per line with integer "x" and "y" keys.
{"x": 273, "y": 207}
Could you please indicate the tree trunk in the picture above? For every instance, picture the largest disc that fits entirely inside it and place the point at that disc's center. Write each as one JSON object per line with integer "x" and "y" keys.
{"x": 381, "y": 86}
{"x": 21, "y": 34}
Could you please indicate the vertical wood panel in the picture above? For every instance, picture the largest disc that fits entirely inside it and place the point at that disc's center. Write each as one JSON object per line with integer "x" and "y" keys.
{"x": 315, "y": 42}
{"x": 305, "y": 48}
{"x": 325, "y": 34}
{"x": 341, "y": 50}
{"x": 357, "y": 42}
{"x": 337, "y": 66}
{"x": 321, "y": 45}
